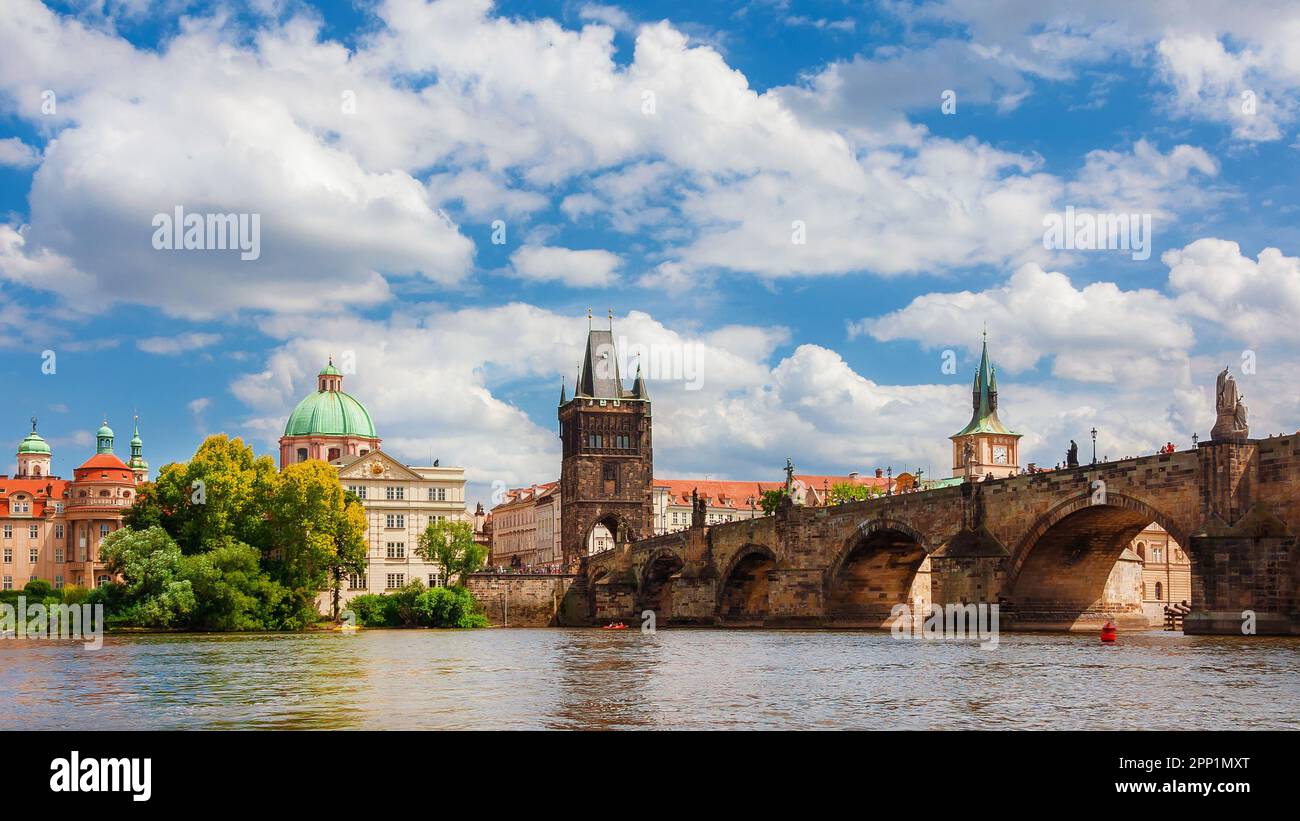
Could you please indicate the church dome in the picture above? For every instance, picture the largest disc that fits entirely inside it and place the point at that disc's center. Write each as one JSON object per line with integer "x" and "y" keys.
{"x": 33, "y": 444}
{"x": 330, "y": 413}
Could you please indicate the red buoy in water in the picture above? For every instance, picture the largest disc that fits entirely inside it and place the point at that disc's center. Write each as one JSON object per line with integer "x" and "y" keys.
{"x": 1108, "y": 632}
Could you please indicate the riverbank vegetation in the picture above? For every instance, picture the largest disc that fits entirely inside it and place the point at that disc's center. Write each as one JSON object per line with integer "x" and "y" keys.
{"x": 227, "y": 542}
{"x": 417, "y": 606}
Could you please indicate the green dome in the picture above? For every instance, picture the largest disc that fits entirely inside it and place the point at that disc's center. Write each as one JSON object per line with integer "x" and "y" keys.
{"x": 330, "y": 370}
{"x": 330, "y": 413}
{"x": 104, "y": 430}
{"x": 33, "y": 444}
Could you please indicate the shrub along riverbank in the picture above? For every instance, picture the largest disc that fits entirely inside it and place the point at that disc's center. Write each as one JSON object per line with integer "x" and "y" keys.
{"x": 417, "y": 606}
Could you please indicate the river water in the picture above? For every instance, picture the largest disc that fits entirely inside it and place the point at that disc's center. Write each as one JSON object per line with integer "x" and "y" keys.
{"x": 673, "y": 679}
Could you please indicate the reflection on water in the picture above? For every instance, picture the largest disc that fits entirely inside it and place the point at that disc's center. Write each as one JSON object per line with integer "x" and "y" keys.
{"x": 518, "y": 679}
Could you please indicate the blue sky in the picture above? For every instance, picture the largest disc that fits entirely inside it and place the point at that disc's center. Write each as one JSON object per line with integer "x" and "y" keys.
{"x": 921, "y": 226}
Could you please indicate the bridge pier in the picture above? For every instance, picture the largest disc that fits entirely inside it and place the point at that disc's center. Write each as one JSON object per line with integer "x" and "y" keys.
{"x": 695, "y": 601}
{"x": 1243, "y": 584}
{"x": 795, "y": 598}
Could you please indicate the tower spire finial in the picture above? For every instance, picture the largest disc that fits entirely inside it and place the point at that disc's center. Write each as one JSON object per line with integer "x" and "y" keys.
{"x": 611, "y": 319}
{"x": 588, "y": 319}
{"x": 33, "y": 423}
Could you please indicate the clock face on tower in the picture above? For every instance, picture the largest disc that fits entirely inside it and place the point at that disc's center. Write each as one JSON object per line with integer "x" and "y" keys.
{"x": 999, "y": 454}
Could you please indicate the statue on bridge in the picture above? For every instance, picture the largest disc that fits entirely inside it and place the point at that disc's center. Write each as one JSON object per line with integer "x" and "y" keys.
{"x": 699, "y": 509}
{"x": 1230, "y": 424}
{"x": 1072, "y": 455}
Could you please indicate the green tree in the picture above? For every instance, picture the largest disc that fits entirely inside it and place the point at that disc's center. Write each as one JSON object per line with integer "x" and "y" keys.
{"x": 315, "y": 535}
{"x": 842, "y": 492}
{"x": 232, "y": 592}
{"x": 451, "y": 546}
{"x": 222, "y": 493}
{"x": 151, "y": 592}
{"x": 770, "y": 500}
{"x": 350, "y": 546}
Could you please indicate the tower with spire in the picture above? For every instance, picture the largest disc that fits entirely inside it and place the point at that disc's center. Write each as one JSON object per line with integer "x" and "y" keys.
{"x": 137, "y": 463}
{"x": 607, "y": 465}
{"x": 985, "y": 447}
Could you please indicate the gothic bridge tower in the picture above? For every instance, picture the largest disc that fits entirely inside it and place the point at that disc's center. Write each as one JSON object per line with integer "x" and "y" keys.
{"x": 606, "y": 472}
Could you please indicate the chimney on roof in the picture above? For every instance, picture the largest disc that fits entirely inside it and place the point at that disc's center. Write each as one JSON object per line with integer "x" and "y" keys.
{"x": 879, "y": 473}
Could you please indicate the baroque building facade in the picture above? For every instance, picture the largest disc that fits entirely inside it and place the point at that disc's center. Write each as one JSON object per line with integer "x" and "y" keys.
{"x": 400, "y": 500}
{"x": 51, "y": 528}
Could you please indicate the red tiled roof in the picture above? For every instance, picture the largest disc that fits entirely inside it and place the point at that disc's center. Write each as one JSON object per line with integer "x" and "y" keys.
{"x": 41, "y": 490}
{"x": 104, "y": 461}
{"x": 735, "y": 495}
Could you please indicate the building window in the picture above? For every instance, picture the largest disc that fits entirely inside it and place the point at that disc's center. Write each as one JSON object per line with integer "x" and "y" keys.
{"x": 103, "y": 531}
{"x": 1159, "y": 591}
{"x": 1157, "y": 556}
{"x": 58, "y": 582}
{"x": 58, "y": 531}
{"x": 396, "y": 494}
{"x": 357, "y": 581}
{"x": 34, "y": 531}
{"x": 9, "y": 583}
{"x": 594, "y": 440}
{"x": 397, "y": 550}
{"x": 33, "y": 555}
{"x": 9, "y": 531}
{"x": 334, "y": 454}
{"x": 9, "y": 555}
{"x": 437, "y": 494}
{"x": 104, "y": 580}
{"x": 358, "y": 491}
{"x": 58, "y": 555}
{"x": 396, "y": 580}
{"x": 434, "y": 580}
{"x": 623, "y": 441}
{"x": 395, "y": 521}
{"x": 302, "y": 454}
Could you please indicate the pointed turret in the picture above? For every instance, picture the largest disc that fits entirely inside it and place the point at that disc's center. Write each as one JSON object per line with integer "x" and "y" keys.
{"x": 639, "y": 389}
{"x": 137, "y": 462}
{"x": 599, "y": 377}
{"x": 563, "y": 398}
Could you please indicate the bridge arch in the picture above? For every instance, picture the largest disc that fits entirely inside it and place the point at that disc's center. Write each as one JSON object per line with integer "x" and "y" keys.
{"x": 1083, "y": 501}
{"x": 620, "y": 531}
{"x": 883, "y": 562}
{"x": 655, "y": 586}
{"x": 1072, "y": 570}
{"x": 743, "y": 586}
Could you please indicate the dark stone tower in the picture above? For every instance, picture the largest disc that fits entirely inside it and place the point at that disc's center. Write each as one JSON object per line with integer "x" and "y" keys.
{"x": 606, "y": 473}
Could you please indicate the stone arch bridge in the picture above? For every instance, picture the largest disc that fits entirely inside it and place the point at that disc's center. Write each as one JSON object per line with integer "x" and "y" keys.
{"x": 1049, "y": 546}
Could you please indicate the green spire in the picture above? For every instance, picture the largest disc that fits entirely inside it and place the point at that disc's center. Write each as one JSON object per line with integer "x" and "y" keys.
{"x": 137, "y": 449}
{"x": 984, "y": 398}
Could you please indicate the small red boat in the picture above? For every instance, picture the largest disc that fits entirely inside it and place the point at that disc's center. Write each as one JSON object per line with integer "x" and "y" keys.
{"x": 615, "y": 626}
{"x": 1109, "y": 633}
